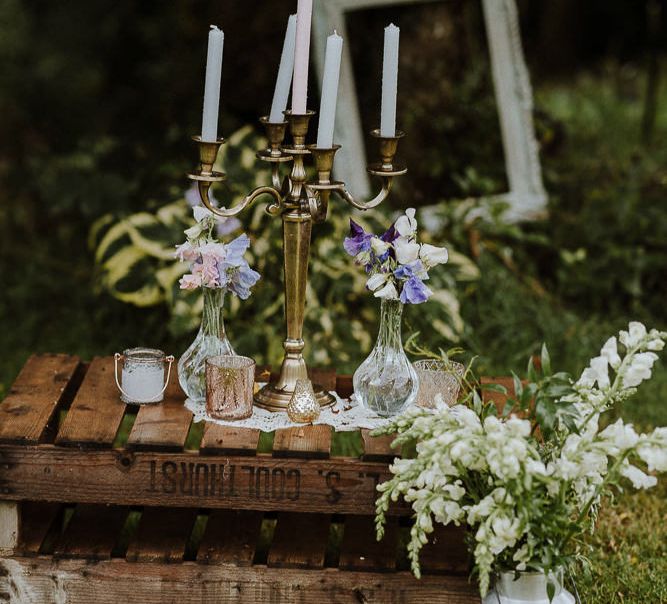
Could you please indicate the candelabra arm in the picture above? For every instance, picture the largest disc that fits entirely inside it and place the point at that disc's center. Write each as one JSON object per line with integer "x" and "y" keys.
{"x": 204, "y": 187}
{"x": 342, "y": 192}
{"x": 386, "y": 169}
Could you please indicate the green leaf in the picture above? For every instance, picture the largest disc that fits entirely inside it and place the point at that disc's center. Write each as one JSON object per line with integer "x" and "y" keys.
{"x": 546, "y": 361}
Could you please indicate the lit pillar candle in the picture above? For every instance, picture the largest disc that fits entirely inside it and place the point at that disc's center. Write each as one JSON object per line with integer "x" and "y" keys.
{"x": 329, "y": 91}
{"x": 285, "y": 70}
{"x": 209, "y": 122}
{"x": 389, "y": 81}
{"x": 301, "y": 55}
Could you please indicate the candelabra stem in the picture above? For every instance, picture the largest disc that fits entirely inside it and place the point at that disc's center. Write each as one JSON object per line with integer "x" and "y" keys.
{"x": 297, "y": 227}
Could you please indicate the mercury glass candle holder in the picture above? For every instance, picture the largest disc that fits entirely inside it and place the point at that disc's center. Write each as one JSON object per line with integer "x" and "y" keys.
{"x": 229, "y": 386}
{"x": 438, "y": 378}
{"x": 303, "y": 408}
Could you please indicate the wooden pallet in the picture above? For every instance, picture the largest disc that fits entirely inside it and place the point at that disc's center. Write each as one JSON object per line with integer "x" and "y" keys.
{"x": 107, "y": 502}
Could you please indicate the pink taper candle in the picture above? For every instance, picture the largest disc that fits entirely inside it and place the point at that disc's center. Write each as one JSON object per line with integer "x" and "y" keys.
{"x": 301, "y": 56}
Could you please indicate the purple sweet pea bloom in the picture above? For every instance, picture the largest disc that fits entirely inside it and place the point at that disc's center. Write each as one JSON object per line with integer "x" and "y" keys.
{"x": 390, "y": 235}
{"x": 414, "y": 291}
{"x": 414, "y": 269}
{"x": 358, "y": 241}
{"x": 235, "y": 250}
{"x": 242, "y": 280}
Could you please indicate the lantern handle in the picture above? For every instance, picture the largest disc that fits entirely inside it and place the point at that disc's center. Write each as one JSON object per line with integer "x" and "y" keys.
{"x": 118, "y": 356}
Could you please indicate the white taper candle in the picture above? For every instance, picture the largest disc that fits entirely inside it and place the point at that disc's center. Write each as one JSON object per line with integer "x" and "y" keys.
{"x": 389, "y": 81}
{"x": 329, "y": 91}
{"x": 285, "y": 70}
{"x": 301, "y": 56}
{"x": 209, "y": 122}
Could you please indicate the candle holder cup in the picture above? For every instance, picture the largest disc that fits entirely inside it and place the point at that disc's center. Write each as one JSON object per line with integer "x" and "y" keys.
{"x": 299, "y": 203}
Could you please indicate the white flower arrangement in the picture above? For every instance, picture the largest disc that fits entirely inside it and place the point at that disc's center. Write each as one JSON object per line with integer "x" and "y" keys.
{"x": 527, "y": 486}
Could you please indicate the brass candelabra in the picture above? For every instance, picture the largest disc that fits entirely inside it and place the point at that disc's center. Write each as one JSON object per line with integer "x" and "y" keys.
{"x": 300, "y": 204}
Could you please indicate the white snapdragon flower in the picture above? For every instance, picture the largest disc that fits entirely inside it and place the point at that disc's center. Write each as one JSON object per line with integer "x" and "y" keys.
{"x": 639, "y": 479}
{"x": 506, "y": 532}
{"x": 639, "y": 369}
{"x": 621, "y": 436}
{"x": 388, "y": 292}
{"x": 652, "y": 450}
{"x": 597, "y": 371}
{"x": 521, "y": 557}
{"x": 610, "y": 352}
{"x": 635, "y": 334}
{"x": 431, "y": 255}
{"x": 406, "y": 225}
{"x": 406, "y": 251}
{"x": 656, "y": 340}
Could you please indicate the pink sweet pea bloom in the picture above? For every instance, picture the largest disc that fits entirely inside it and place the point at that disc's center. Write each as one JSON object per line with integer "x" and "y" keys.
{"x": 189, "y": 282}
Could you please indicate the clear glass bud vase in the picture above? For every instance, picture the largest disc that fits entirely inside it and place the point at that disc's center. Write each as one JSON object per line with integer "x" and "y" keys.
{"x": 386, "y": 382}
{"x": 210, "y": 341}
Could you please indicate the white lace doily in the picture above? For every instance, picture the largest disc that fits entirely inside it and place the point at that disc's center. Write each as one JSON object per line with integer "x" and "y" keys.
{"x": 344, "y": 415}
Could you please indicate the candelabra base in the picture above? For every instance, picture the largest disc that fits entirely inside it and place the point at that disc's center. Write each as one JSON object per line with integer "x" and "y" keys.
{"x": 273, "y": 399}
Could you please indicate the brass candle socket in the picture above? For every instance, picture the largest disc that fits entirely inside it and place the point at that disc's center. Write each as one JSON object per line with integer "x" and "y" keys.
{"x": 299, "y": 204}
{"x": 387, "y": 146}
{"x": 275, "y": 133}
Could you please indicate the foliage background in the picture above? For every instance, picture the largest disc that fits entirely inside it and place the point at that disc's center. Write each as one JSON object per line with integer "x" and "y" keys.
{"x": 98, "y": 100}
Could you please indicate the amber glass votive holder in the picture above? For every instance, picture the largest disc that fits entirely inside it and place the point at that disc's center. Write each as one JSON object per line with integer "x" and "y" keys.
{"x": 438, "y": 378}
{"x": 229, "y": 387}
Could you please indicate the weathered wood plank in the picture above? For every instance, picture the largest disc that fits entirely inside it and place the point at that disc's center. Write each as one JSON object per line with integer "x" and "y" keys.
{"x": 360, "y": 550}
{"x": 37, "y": 517}
{"x": 497, "y": 398}
{"x": 300, "y": 540}
{"x": 378, "y": 448}
{"x": 51, "y": 473}
{"x": 97, "y": 411}
{"x": 303, "y": 441}
{"x": 10, "y": 519}
{"x": 113, "y": 581}
{"x": 162, "y": 536}
{"x": 307, "y": 441}
{"x": 42, "y": 384}
{"x": 164, "y": 426}
{"x": 219, "y": 440}
{"x": 230, "y": 538}
{"x": 91, "y": 533}
{"x": 446, "y": 551}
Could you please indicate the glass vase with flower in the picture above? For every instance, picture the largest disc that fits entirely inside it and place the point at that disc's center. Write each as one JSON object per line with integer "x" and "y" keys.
{"x": 216, "y": 268}
{"x": 398, "y": 265}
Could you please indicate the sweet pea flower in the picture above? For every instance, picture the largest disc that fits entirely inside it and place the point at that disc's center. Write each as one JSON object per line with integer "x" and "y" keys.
{"x": 235, "y": 250}
{"x": 406, "y": 251}
{"x": 358, "y": 241}
{"x": 414, "y": 291}
{"x": 186, "y": 252}
{"x": 242, "y": 280}
{"x": 406, "y": 225}
{"x": 388, "y": 292}
{"x": 376, "y": 281}
{"x": 189, "y": 282}
{"x": 432, "y": 255}
{"x": 380, "y": 247}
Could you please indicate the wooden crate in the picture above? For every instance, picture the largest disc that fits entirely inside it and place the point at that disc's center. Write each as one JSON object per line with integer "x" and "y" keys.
{"x": 107, "y": 502}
